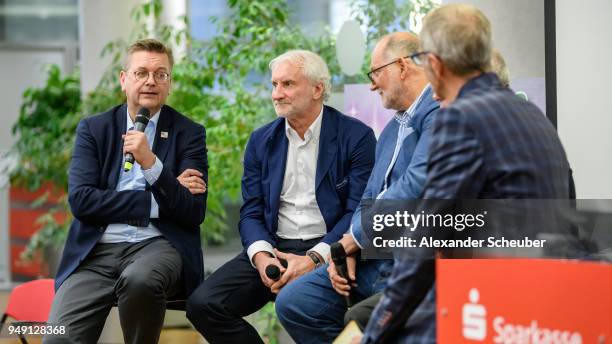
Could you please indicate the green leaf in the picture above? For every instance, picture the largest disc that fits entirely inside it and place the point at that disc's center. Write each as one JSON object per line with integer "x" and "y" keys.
{"x": 222, "y": 83}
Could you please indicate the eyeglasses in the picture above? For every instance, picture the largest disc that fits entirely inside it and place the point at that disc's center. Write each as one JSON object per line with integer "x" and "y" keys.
{"x": 160, "y": 77}
{"x": 374, "y": 72}
{"x": 417, "y": 58}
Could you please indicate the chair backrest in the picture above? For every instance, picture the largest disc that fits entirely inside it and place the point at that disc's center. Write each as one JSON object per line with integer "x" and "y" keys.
{"x": 31, "y": 301}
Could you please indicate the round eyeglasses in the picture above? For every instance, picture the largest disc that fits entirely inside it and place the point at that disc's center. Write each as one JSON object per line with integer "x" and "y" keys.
{"x": 417, "y": 58}
{"x": 160, "y": 77}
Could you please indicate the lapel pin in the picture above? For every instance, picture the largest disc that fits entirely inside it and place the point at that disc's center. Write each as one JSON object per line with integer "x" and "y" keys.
{"x": 164, "y": 134}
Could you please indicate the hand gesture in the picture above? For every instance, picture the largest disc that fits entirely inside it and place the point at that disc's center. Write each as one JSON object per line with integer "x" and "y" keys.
{"x": 192, "y": 180}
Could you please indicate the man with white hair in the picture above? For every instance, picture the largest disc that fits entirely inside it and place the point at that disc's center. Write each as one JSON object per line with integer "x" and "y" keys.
{"x": 313, "y": 309}
{"x": 304, "y": 174}
{"x": 498, "y": 66}
{"x": 486, "y": 143}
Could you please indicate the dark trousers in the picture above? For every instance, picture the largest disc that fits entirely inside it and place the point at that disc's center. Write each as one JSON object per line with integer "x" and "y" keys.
{"x": 233, "y": 291}
{"x": 362, "y": 311}
{"x": 138, "y": 277}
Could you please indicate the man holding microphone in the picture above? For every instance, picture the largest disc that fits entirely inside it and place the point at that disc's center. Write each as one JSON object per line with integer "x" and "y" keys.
{"x": 135, "y": 238}
{"x": 312, "y": 308}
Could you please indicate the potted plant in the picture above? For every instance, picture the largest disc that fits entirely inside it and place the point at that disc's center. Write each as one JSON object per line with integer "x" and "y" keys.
{"x": 221, "y": 83}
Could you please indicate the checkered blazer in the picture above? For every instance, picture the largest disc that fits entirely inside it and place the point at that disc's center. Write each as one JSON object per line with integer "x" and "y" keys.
{"x": 488, "y": 144}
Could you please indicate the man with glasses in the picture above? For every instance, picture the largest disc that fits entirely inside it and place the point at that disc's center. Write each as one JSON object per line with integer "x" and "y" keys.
{"x": 135, "y": 238}
{"x": 487, "y": 143}
{"x": 312, "y": 308}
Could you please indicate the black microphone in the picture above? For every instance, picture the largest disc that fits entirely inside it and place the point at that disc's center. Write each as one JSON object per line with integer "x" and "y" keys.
{"x": 142, "y": 119}
{"x": 273, "y": 272}
{"x": 338, "y": 256}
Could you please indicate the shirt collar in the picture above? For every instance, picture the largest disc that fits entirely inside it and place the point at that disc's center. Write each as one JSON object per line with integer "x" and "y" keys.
{"x": 481, "y": 81}
{"x": 153, "y": 119}
{"x": 404, "y": 117}
{"x": 314, "y": 131}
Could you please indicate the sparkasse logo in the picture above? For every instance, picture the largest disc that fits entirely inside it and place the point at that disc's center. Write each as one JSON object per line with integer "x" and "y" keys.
{"x": 474, "y": 318}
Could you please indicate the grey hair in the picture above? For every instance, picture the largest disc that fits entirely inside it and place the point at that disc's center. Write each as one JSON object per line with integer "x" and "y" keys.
{"x": 498, "y": 66}
{"x": 398, "y": 46}
{"x": 460, "y": 35}
{"x": 150, "y": 45}
{"x": 312, "y": 65}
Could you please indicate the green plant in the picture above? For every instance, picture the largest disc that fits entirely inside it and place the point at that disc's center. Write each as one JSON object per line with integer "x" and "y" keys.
{"x": 53, "y": 231}
{"x": 221, "y": 83}
{"x": 45, "y": 129}
{"x": 383, "y": 16}
{"x": 267, "y": 323}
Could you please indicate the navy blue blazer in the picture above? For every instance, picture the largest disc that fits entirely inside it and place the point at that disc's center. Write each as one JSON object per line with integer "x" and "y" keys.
{"x": 492, "y": 144}
{"x": 346, "y": 157}
{"x": 487, "y": 144}
{"x": 94, "y": 173}
{"x": 407, "y": 177}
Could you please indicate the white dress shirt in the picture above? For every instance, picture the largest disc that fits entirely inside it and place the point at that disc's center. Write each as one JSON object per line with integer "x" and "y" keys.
{"x": 299, "y": 216}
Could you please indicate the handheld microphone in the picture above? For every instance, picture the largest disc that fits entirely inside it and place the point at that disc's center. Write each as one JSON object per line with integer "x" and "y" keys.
{"x": 338, "y": 256}
{"x": 273, "y": 272}
{"x": 141, "y": 121}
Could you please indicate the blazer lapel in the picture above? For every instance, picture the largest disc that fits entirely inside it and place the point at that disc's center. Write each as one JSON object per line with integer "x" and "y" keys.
{"x": 327, "y": 146}
{"x": 277, "y": 162}
{"x": 119, "y": 128}
{"x": 163, "y": 134}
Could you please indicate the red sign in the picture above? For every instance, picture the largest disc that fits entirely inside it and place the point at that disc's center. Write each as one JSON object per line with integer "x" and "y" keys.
{"x": 519, "y": 301}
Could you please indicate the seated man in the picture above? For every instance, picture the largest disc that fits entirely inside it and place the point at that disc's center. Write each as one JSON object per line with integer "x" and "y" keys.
{"x": 135, "y": 238}
{"x": 309, "y": 308}
{"x": 487, "y": 144}
{"x": 304, "y": 174}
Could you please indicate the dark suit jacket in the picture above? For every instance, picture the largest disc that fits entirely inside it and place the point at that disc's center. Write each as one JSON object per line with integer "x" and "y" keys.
{"x": 346, "y": 157}
{"x": 95, "y": 203}
{"x": 488, "y": 144}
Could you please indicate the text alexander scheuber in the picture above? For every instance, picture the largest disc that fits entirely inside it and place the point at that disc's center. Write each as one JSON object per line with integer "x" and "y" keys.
{"x": 459, "y": 222}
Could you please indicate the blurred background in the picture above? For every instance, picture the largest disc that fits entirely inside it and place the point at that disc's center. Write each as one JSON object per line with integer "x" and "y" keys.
{"x": 60, "y": 60}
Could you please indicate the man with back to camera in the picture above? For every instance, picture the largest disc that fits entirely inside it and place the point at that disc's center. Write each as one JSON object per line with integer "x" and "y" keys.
{"x": 312, "y": 308}
{"x": 487, "y": 143}
{"x": 304, "y": 174}
{"x": 135, "y": 238}
{"x": 498, "y": 66}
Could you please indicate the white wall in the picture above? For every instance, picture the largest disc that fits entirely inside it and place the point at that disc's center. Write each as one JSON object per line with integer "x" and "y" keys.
{"x": 584, "y": 73}
{"x": 518, "y": 33}
{"x": 173, "y": 10}
{"x": 100, "y": 21}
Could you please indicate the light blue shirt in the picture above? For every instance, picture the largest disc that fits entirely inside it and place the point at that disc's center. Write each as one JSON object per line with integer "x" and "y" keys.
{"x": 394, "y": 178}
{"x": 137, "y": 179}
{"x": 403, "y": 131}
{"x": 404, "y": 119}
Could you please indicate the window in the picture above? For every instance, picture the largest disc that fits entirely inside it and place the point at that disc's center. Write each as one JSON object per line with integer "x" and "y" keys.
{"x": 36, "y": 21}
